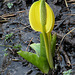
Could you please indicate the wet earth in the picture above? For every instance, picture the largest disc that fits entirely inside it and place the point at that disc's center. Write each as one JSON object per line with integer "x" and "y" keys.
{"x": 15, "y": 30}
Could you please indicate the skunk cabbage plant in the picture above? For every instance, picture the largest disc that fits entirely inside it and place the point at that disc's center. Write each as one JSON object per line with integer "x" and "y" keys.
{"x": 42, "y": 19}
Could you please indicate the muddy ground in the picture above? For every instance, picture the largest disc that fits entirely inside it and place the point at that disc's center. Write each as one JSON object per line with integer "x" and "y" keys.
{"x": 14, "y": 20}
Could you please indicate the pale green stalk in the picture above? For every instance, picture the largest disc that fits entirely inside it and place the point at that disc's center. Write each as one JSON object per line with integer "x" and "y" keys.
{"x": 46, "y": 41}
{"x": 48, "y": 50}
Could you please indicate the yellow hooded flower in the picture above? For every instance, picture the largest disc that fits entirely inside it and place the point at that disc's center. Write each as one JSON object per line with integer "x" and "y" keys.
{"x": 34, "y": 17}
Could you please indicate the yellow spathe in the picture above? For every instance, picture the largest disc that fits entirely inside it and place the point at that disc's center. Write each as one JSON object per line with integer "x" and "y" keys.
{"x": 34, "y": 17}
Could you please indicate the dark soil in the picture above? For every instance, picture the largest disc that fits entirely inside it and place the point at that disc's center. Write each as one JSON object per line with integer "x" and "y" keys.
{"x": 15, "y": 20}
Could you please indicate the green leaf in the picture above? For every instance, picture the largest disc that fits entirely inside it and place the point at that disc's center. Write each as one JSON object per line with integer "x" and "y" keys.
{"x": 39, "y": 62}
{"x": 67, "y": 72}
{"x": 10, "y": 5}
{"x": 53, "y": 44}
{"x": 42, "y": 46}
{"x": 5, "y": 54}
{"x": 18, "y": 46}
{"x": 36, "y": 47}
{"x": 5, "y": 49}
{"x": 39, "y": 47}
{"x": 8, "y": 36}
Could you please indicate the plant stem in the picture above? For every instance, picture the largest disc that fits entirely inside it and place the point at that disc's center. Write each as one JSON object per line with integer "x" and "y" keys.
{"x": 6, "y": 45}
{"x": 48, "y": 50}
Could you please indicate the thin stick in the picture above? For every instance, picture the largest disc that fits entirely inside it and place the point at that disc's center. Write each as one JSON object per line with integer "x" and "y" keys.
{"x": 66, "y": 35}
{"x": 66, "y": 3}
{"x": 70, "y": 14}
{"x": 67, "y": 60}
{"x": 71, "y": 1}
{"x": 29, "y": 44}
{"x": 63, "y": 38}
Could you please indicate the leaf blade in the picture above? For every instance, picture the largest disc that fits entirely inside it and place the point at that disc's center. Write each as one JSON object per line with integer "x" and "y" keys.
{"x": 39, "y": 62}
{"x": 36, "y": 47}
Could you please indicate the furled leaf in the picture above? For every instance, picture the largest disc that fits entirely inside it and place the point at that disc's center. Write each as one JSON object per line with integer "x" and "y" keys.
{"x": 53, "y": 44}
{"x": 36, "y": 47}
{"x": 39, "y": 62}
{"x": 42, "y": 46}
{"x": 43, "y": 12}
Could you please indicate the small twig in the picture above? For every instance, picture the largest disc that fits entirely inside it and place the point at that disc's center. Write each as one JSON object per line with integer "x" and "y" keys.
{"x": 61, "y": 43}
{"x": 66, "y": 35}
{"x": 16, "y": 60}
{"x": 61, "y": 36}
{"x": 70, "y": 14}
{"x": 20, "y": 11}
{"x": 4, "y": 16}
{"x": 29, "y": 44}
{"x": 8, "y": 15}
{"x": 66, "y": 3}
{"x": 2, "y": 19}
{"x": 67, "y": 60}
{"x": 12, "y": 14}
{"x": 71, "y": 1}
